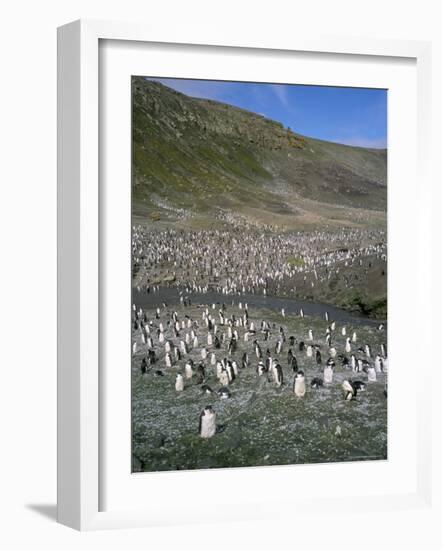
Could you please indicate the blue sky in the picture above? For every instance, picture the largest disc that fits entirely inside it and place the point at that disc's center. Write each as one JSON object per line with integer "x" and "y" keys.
{"x": 354, "y": 116}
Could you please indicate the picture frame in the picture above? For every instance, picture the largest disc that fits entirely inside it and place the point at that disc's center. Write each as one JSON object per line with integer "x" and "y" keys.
{"x": 80, "y": 365}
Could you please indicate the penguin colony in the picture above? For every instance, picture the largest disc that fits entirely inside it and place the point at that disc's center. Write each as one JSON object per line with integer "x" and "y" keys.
{"x": 242, "y": 259}
{"x": 213, "y": 346}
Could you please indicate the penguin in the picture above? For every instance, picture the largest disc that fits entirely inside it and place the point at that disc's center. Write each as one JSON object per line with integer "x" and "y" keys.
{"x": 224, "y": 393}
{"x": 278, "y": 347}
{"x": 207, "y": 423}
{"x": 350, "y": 390}
{"x": 219, "y": 368}
{"x": 261, "y": 369}
{"x": 309, "y": 351}
{"x": 294, "y": 364}
{"x": 168, "y": 359}
{"x": 353, "y": 362}
{"x": 316, "y": 383}
{"x": 310, "y": 334}
{"x": 359, "y": 385}
{"x": 179, "y": 382}
{"x": 143, "y": 366}
{"x": 206, "y": 389}
{"x": 235, "y": 367}
{"x": 289, "y": 357}
{"x": 245, "y": 360}
{"x": 301, "y": 346}
{"x": 230, "y": 372}
{"x": 277, "y": 375}
{"x": 184, "y": 347}
{"x": 224, "y": 377}
{"x": 200, "y": 374}
{"x": 371, "y": 373}
{"x": 258, "y": 351}
{"x": 318, "y": 357}
{"x": 347, "y": 345}
{"x": 378, "y": 363}
{"x": 232, "y": 345}
{"x": 328, "y": 374}
{"x": 299, "y": 384}
{"x": 292, "y": 340}
{"x": 188, "y": 370}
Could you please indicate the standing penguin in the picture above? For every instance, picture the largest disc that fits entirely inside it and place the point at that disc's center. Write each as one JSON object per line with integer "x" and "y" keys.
{"x": 328, "y": 374}
{"x": 371, "y": 373}
{"x": 278, "y": 347}
{"x": 207, "y": 425}
{"x": 224, "y": 377}
{"x": 299, "y": 384}
{"x": 188, "y": 370}
{"x": 277, "y": 375}
{"x": 179, "y": 382}
{"x": 378, "y": 363}
{"x": 318, "y": 357}
{"x": 261, "y": 368}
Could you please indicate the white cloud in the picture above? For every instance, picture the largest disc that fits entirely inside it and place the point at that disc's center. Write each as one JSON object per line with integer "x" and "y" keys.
{"x": 358, "y": 141}
{"x": 280, "y": 91}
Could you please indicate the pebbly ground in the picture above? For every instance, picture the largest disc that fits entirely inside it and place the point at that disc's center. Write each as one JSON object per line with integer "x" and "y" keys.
{"x": 260, "y": 424}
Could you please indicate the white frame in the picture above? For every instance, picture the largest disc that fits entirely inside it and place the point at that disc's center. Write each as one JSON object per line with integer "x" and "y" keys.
{"x": 79, "y": 252}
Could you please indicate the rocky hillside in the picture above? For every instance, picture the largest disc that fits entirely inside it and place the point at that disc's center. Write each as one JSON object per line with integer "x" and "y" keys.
{"x": 195, "y": 158}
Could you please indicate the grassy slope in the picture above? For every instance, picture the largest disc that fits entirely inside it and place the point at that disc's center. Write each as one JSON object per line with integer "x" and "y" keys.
{"x": 201, "y": 155}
